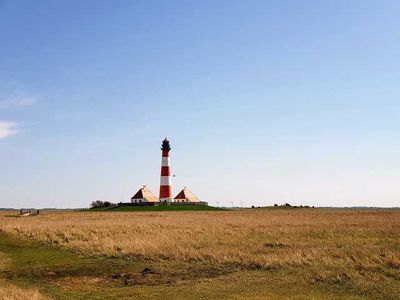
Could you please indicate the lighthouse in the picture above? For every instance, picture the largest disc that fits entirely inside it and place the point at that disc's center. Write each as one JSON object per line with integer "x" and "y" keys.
{"x": 165, "y": 182}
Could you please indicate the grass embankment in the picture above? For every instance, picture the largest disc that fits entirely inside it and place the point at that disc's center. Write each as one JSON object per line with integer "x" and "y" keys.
{"x": 253, "y": 254}
{"x": 159, "y": 208}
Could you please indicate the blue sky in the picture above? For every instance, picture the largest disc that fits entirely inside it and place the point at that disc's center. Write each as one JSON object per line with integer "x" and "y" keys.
{"x": 264, "y": 101}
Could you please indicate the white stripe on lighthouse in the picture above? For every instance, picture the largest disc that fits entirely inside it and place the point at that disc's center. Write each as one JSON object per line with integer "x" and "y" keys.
{"x": 165, "y": 162}
{"x": 165, "y": 180}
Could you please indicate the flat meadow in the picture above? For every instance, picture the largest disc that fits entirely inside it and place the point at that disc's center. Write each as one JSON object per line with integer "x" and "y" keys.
{"x": 238, "y": 254}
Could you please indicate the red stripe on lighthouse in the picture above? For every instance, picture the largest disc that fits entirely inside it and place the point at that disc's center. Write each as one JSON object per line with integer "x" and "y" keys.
{"x": 166, "y": 191}
{"x": 165, "y": 171}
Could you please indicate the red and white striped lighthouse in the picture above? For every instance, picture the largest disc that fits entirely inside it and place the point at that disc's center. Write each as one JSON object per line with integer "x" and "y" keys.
{"x": 165, "y": 182}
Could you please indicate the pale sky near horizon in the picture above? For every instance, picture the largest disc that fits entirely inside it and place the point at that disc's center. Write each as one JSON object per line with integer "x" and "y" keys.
{"x": 263, "y": 101}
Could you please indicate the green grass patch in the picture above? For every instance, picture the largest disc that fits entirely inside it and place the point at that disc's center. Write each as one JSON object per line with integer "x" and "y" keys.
{"x": 51, "y": 269}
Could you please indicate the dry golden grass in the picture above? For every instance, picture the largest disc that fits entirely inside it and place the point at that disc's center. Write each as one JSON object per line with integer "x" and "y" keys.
{"x": 353, "y": 249}
{"x": 11, "y": 292}
{"x": 252, "y": 238}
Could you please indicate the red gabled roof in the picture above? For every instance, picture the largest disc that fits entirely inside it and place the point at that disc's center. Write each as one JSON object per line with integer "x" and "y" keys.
{"x": 186, "y": 194}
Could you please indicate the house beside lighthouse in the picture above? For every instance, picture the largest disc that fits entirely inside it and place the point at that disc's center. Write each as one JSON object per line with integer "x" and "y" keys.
{"x": 186, "y": 196}
{"x": 144, "y": 196}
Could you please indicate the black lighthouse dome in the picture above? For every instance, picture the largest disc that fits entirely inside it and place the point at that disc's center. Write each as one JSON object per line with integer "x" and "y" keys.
{"x": 165, "y": 145}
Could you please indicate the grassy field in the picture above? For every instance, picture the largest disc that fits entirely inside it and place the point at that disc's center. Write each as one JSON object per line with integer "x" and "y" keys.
{"x": 244, "y": 254}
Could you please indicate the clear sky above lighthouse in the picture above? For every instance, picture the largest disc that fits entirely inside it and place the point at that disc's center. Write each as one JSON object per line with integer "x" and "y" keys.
{"x": 263, "y": 101}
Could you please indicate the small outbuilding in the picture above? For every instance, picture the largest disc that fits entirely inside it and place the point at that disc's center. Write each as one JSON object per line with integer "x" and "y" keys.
{"x": 186, "y": 196}
{"x": 144, "y": 195}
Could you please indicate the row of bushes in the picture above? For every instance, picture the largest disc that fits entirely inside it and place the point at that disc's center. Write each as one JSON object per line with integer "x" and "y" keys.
{"x": 100, "y": 204}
